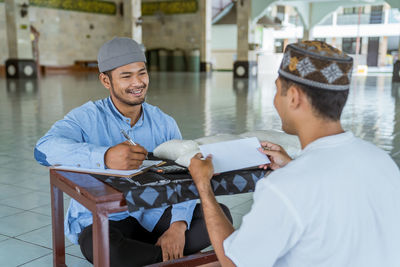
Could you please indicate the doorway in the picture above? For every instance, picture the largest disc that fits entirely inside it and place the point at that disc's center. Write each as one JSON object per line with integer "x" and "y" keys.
{"x": 373, "y": 51}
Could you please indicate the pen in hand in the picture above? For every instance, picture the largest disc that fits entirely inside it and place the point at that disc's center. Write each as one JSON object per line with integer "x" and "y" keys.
{"x": 129, "y": 139}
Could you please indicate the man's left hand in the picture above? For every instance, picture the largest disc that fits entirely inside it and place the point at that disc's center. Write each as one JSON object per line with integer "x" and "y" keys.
{"x": 172, "y": 241}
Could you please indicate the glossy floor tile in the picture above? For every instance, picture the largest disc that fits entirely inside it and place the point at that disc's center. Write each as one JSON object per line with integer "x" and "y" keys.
{"x": 201, "y": 104}
{"x": 46, "y": 209}
{"x": 3, "y": 237}
{"x": 6, "y": 211}
{"x": 24, "y": 222}
{"x": 27, "y": 201}
{"x": 14, "y": 252}
{"x": 48, "y": 261}
{"x": 7, "y": 191}
{"x": 41, "y": 237}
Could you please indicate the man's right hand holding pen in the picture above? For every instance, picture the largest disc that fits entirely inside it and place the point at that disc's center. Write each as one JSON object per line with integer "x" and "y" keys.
{"x": 277, "y": 155}
{"x": 125, "y": 156}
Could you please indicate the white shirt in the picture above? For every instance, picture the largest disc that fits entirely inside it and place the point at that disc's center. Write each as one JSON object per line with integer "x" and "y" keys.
{"x": 337, "y": 204}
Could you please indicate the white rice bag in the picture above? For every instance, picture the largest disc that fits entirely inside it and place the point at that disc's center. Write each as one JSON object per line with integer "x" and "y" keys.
{"x": 184, "y": 159}
{"x": 173, "y": 149}
{"x": 216, "y": 138}
{"x": 290, "y": 143}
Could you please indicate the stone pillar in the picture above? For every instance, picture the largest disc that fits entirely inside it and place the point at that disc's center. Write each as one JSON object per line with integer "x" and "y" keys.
{"x": 285, "y": 43}
{"x": 386, "y": 10}
{"x": 133, "y": 19}
{"x": 205, "y": 9}
{"x": 20, "y": 63}
{"x": 383, "y": 43}
{"x": 339, "y": 44}
{"x": 333, "y": 42}
{"x": 306, "y": 34}
{"x": 396, "y": 69}
{"x": 334, "y": 18}
{"x": 245, "y": 65}
{"x": 307, "y": 27}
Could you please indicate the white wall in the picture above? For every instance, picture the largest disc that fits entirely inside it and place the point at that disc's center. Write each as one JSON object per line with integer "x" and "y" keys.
{"x": 181, "y": 31}
{"x": 66, "y": 36}
{"x": 268, "y": 63}
{"x": 365, "y": 30}
{"x": 223, "y": 46}
{"x": 224, "y": 37}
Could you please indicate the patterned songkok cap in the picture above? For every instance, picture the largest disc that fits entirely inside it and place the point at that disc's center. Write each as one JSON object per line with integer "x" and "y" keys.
{"x": 317, "y": 64}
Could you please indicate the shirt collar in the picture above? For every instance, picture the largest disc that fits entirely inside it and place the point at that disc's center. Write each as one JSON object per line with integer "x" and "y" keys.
{"x": 126, "y": 119}
{"x": 329, "y": 141}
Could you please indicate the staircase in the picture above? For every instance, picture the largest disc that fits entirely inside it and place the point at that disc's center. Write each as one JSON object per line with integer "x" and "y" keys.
{"x": 220, "y": 8}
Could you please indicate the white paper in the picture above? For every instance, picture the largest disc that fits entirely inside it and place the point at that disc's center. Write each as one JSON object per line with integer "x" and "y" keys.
{"x": 111, "y": 172}
{"x": 235, "y": 155}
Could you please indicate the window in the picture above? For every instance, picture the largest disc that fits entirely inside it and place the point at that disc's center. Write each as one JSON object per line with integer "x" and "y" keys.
{"x": 393, "y": 44}
{"x": 278, "y": 45}
{"x": 349, "y": 45}
{"x": 280, "y": 13}
{"x": 351, "y": 16}
{"x": 376, "y": 15}
{"x": 353, "y": 10}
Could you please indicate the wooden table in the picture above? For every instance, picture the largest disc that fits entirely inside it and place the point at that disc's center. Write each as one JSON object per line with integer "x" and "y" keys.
{"x": 101, "y": 199}
{"x": 97, "y": 197}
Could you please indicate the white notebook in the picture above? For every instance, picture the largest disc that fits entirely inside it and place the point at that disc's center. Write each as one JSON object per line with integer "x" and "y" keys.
{"x": 112, "y": 172}
{"x": 235, "y": 155}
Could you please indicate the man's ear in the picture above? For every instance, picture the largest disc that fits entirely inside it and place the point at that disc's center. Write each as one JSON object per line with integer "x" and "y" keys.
{"x": 294, "y": 95}
{"x": 105, "y": 80}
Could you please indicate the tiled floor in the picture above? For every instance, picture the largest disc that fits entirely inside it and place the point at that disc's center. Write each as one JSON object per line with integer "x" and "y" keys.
{"x": 202, "y": 105}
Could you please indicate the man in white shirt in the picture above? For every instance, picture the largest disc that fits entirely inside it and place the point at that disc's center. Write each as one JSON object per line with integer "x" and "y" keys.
{"x": 336, "y": 204}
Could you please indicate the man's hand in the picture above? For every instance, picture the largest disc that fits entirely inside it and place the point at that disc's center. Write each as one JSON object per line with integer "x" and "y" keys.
{"x": 172, "y": 241}
{"x": 276, "y": 154}
{"x": 201, "y": 170}
{"x": 125, "y": 156}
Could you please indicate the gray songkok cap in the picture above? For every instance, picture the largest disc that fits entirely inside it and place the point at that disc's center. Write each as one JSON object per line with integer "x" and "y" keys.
{"x": 118, "y": 52}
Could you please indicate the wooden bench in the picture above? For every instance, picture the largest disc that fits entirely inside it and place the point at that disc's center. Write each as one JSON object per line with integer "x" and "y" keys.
{"x": 86, "y": 63}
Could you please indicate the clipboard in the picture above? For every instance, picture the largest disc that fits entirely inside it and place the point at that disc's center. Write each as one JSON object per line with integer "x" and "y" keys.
{"x": 147, "y": 164}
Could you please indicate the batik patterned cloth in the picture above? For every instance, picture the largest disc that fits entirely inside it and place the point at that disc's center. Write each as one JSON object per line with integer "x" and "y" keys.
{"x": 151, "y": 190}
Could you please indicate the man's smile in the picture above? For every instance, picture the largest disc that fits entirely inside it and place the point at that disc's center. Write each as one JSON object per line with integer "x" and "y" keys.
{"x": 135, "y": 92}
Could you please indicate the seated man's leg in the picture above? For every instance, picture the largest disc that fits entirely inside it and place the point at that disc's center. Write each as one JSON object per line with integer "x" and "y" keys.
{"x": 197, "y": 236}
{"x": 125, "y": 247}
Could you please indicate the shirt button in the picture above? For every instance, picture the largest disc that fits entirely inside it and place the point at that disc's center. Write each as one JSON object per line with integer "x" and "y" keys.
{"x": 78, "y": 165}
{"x": 98, "y": 164}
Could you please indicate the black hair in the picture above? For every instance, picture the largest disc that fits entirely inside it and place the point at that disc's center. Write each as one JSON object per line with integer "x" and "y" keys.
{"x": 328, "y": 104}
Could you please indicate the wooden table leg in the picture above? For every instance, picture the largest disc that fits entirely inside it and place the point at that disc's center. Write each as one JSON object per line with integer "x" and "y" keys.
{"x": 101, "y": 245}
{"x": 57, "y": 220}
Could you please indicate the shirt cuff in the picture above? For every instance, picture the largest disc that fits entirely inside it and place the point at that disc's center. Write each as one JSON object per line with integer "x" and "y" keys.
{"x": 183, "y": 212}
{"x": 97, "y": 157}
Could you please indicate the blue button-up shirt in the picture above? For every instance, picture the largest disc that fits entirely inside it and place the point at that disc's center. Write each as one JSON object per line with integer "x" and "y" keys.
{"x": 86, "y": 133}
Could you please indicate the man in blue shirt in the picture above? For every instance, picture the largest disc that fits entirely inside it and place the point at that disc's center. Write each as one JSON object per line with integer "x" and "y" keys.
{"x": 89, "y": 137}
